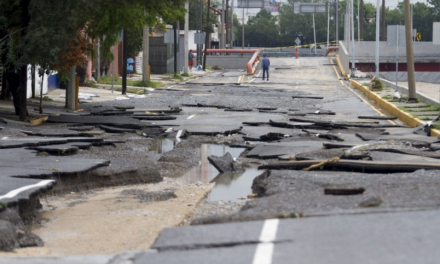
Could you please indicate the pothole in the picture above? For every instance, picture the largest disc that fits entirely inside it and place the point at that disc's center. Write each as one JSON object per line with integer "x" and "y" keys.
{"x": 228, "y": 186}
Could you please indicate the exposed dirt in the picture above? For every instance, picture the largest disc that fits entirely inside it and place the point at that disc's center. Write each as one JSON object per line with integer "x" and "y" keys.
{"x": 111, "y": 220}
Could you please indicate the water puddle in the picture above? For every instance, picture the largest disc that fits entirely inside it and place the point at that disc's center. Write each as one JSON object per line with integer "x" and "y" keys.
{"x": 228, "y": 186}
{"x": 234, "y": 187}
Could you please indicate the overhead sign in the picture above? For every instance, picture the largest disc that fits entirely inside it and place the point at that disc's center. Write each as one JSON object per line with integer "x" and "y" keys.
{"x": 436, "y": 33}
{"x": 199, "y": 38}
{"x": 396, "y": 35}
{"x": 273, "y": 6}
{"x": 169, "y": 37}
{"x": 250, "y": 4}
{"x": 300, "y": 8}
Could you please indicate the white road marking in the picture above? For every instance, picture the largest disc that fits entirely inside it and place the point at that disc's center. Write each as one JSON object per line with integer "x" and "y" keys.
{"x": 15, "y": 192}
{"x": 179, "y": 133}
{"x": 264, "y": 251}
{"x": 191, "y": 116}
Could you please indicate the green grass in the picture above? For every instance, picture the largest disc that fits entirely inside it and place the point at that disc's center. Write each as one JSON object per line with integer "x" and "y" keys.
{"x": 91, "y": 84}
{"x": 185, "y": 74}
{"x": 387, "y": 97}
{"x": 428, "y": 109}
{"x": 207, "y": 67}
{"x": 178, "y": 77}
{"x": 5, "y": 205}
{"x": 137, "y": 83}
{"x": 437, "y": 126}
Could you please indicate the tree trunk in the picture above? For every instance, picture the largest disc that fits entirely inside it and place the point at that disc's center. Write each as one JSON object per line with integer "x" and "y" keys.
{"x": 41, "y": 94}
{"x": 146, "y": 54}
{"x": 124, "y": 61}
{"x": 21, "y": 110}
{"x": 33, "y": 80}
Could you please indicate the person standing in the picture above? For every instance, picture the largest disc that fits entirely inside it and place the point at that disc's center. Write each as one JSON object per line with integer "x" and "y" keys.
{"x": 265, "y": 63}
{"x": 130, "y": 63}
{"x": 190, "y": 60}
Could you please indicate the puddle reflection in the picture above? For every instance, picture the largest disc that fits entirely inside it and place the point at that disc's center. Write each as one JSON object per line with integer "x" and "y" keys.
{"x": 234, "y": 186}
{"x": 228, "y": 186}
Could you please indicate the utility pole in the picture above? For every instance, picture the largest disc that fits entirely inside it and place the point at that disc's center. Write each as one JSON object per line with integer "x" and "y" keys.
{"x": 146, "y": 54}
{"x": 98, "y": 60}
{"x": 337, "y": 22}
{"x": 124, "y": 61}
{"x": 223, "y": 21}
{"x": 377, "y": 37}
{"x": 361, "y": 20}
{"x": 409, "y": 53}
{"x": 226, "y": 22}
{"x": 384, "y": 33}
{"x": 175, "y": 47}
{"x": 185, "y": 42}
{"x": 353, "y": 63}
{"x": 359, "y": 28}
{"x": 231, "y": 31}
{"x": 242, "y": 30}
{"x": 207, "y": 32}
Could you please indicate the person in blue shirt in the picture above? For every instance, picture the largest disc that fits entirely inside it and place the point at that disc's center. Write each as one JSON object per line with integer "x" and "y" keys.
{"x": 130, "y": 63}
{"x": 265, "y": 63}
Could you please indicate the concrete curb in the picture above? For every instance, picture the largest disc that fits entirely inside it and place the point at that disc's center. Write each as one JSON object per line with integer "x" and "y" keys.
{"x": 341, "y": 68}
{"x": 392, "y": 109}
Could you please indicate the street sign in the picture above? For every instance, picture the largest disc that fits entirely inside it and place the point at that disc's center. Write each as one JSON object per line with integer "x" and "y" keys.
{"x": 199, "y": 38}
{"x": 436, "y": 33}
{"x": 298, "y": 41}
{"x": 309, "y": 8}
{"x": 250, "y": 4}
{"x": 419, "y": 36}
{"x": 392, "y": 35}
{"x": 169, "y": 37}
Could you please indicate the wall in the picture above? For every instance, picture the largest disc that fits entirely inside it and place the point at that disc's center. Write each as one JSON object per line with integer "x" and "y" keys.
{"x": 344, "y": 57}
{"x": 229, "y": 61}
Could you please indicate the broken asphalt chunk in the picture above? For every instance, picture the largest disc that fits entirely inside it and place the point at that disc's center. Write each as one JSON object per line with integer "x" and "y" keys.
{"x": 306, "y": 97}
{"x": 352, "y": 165}
{"x": 378, "y": 117}
{"x": 117, "y": 121}
{"x": 225, "y": 163}
{"x": 344, "y": 191}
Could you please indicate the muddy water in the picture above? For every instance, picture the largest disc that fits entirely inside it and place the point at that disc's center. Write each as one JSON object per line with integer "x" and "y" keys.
{"x": 234, "y": 187}
{"x": 228, "y": 186}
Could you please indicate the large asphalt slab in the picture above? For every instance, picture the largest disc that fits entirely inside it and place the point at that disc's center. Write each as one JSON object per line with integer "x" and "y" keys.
{"x": 20, "y": 169}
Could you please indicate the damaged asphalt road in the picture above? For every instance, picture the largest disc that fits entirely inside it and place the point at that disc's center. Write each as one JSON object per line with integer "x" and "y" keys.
{"x": 371, "y": 184}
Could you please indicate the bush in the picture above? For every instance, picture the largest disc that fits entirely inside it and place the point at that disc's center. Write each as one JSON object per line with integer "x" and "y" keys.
{"x": 376, "y": 84}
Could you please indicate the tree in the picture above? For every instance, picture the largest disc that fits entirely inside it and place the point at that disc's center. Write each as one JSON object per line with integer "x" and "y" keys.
{"x": 301, "y": 25}
{"x": 54, "y": 34}
{"x": 262, "y": 30}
